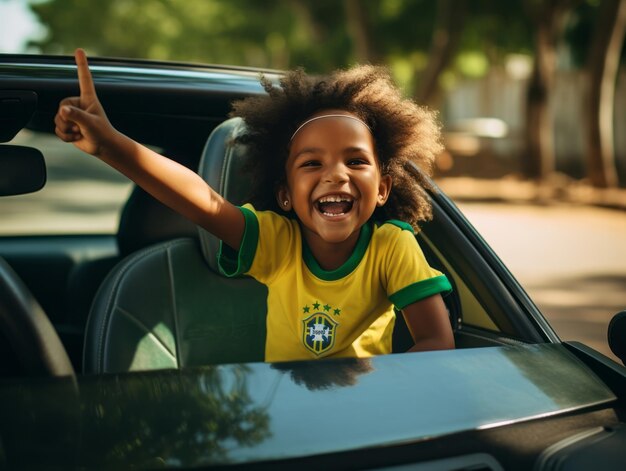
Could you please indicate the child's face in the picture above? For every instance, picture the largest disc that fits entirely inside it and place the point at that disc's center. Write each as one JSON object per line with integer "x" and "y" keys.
{"x": 334, "y": 182}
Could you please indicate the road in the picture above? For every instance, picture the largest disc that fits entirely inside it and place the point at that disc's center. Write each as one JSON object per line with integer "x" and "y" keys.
{"x": 570, "y": 259}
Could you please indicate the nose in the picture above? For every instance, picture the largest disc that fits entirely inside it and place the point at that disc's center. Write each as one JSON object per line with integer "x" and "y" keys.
{"x": 336, "y": 173}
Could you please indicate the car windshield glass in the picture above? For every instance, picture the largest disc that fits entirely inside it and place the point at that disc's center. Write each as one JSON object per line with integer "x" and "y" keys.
{"x": 249, "y": 412}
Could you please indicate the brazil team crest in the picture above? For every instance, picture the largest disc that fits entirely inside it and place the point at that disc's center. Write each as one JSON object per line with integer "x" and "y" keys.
{"x": 319, "y": 332}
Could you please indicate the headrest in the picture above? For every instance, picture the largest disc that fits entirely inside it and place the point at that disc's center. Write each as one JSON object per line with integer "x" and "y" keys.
{"x": 221, "y": 166}
{"x": 145, "y": 221}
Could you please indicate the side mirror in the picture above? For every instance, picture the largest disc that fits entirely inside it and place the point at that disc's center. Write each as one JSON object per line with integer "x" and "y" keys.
{"x": 22, "y": 170}
{"x": 617, "y": 335}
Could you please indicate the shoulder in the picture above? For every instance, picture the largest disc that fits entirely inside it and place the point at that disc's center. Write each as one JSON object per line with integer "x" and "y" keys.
{"x": 392, "y": 230}
{"x": 269, "y": 223}
{"x": 266, "y": 216}
{"x": 392, "y": 238}
{"x": 395, "y": 225}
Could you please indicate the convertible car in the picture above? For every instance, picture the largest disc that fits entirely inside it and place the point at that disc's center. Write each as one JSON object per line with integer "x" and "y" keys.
{"x": 121, "y": 345}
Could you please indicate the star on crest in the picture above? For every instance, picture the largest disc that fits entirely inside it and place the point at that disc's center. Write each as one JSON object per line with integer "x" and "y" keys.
{"x": 316, "y": 307}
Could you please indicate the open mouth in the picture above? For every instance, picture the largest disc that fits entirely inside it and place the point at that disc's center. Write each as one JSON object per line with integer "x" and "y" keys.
{"x": 335, "y": 205}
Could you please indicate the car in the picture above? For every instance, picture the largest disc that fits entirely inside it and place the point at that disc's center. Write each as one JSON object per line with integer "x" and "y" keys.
{"x": 121, "y": 345}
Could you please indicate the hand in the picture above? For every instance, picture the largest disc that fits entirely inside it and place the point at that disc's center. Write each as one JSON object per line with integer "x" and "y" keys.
{"x": 81, "y": 120}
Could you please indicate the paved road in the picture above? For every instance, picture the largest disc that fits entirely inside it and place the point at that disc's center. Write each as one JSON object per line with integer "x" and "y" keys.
{"x": 570, "y": 259}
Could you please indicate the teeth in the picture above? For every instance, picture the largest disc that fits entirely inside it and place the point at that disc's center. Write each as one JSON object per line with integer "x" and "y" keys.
{"x": 334, "y": 199}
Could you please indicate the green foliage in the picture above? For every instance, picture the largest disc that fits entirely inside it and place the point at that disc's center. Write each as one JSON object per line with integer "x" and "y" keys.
{"x": 580, "y": 29}
{"x": 244, "y": 32}
{"x": 274, "y": 34}
{"x": 314, "y": 34}
{"x": 497, "y": 28}
{"x": 155, "y": 29}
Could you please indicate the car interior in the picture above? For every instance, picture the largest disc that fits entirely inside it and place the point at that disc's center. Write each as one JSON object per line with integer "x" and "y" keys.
{"x": 150, "y": 296}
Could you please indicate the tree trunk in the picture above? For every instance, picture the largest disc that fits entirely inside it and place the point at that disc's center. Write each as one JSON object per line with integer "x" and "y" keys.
{"x": 603, "y": 65}
{"x": 360, "y": 30}
{"x": 445, "y": 40}
{"x": 549, "y": 19}
{"x": 303, "y": 11}
{"x": 540, "y": 160}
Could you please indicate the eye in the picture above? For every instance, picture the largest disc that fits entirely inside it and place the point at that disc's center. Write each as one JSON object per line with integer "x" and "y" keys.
{"x": 310, "y": 163}
{"x": 357, "y": 161}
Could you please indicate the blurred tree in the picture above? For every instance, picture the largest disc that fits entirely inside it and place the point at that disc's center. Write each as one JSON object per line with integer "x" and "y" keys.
{"x": 444, "y": 45}
{"x": 548, "y": 17}
{"x": 359, "y": 26}
{"x": 317, "y": 35}
{"x": 602, "y": 66}
{"x": 426, "y": 44}
{"x": 239, "y": 32}
{"x": 497, "y": 29}
{"x": 418, "y": 39}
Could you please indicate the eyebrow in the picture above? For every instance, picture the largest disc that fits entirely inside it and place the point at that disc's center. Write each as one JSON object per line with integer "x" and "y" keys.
{"x": 347, "y": 150}
{"x": 307, "y": 150}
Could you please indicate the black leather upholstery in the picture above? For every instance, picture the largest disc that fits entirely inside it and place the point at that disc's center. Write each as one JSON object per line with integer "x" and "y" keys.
{"x": 221, "y": 167}
{"x": 167, "y": 306}
{"x": 145, "y": 221}
{"x": 26, "y": 333}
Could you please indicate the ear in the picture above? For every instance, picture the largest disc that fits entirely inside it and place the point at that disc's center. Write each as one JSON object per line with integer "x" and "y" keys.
{"x": 384, "y": 188}
{"x": 283, "y": 198}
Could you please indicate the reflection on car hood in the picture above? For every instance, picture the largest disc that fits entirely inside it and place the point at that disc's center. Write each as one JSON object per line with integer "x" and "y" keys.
{"x": 252, "y": 412}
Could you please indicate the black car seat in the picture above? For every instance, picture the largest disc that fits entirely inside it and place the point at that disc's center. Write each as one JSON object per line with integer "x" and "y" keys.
{"x": 144, "y": 221}
{"x": 167, "y": 306}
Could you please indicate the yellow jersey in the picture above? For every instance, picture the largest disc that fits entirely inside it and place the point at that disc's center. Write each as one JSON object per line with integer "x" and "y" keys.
{"x": 347, "y": 312}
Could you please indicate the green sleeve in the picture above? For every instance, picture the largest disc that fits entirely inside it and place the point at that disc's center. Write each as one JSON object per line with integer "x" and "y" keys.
{"x": 233, "y": 262}
{"x": 420, "y": 290}
{"x": 409, "y": 276}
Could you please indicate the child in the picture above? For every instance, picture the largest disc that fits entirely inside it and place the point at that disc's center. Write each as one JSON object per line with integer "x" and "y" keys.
{"x": 333, "y": 161}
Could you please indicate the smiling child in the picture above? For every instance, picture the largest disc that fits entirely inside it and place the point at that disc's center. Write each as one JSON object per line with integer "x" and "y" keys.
{"x": 330, "y": 227}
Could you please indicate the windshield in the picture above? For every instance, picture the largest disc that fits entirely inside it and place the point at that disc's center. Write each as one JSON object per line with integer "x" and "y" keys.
{"x": 252, "y": 412}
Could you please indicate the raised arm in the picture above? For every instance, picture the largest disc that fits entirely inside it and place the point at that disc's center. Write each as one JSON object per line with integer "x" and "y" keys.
{"x": 83, "y": 122}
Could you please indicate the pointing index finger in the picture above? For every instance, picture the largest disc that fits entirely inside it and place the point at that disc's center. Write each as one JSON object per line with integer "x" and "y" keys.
{"x": 85, "y": 82}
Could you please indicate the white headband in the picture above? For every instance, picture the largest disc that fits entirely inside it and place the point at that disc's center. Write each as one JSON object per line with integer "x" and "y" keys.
{"x": 330, "y": 116}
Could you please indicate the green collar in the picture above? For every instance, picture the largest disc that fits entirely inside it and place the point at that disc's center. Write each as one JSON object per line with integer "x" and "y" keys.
{"x": 357, "y": 255}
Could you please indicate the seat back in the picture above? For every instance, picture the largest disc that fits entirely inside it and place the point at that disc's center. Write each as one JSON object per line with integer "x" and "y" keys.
{"x": 167, "y": 306}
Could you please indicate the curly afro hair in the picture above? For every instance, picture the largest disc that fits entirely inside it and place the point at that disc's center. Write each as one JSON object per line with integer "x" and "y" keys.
{"x": 407, "y": 136}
